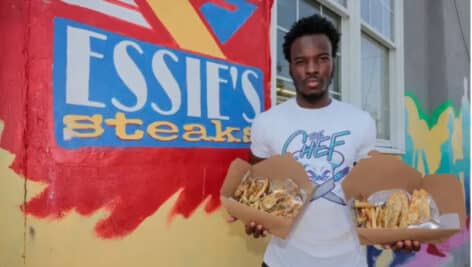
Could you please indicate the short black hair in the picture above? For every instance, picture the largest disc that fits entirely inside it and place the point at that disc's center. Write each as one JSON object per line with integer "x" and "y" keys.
{"x": 314, "y": 24}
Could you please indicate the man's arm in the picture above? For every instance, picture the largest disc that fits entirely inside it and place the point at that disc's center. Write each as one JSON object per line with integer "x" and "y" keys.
{"x": 369, "y": 139}
{"x": 260, "y": 147}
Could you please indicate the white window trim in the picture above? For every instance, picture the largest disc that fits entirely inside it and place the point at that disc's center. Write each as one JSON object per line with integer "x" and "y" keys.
{"x": 397, "y": 82}
{"x": 352, "y": 27}
{"x": 335, "y": 7}
{"x": 369, "y": 30}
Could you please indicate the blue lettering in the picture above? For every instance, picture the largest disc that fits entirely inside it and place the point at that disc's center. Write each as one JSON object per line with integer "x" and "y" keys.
{"x": 321, "y": 150}
{"x": 291, "y": 137}
{"x": 334, "y": 143}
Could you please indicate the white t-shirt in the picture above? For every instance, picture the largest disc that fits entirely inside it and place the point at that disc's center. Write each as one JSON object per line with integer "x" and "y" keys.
{"x": 327, "y": 141}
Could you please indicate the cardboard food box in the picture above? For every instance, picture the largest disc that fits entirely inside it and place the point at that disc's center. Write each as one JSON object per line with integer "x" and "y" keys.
{"x": 384, "y": 172}
{"x": 274, "y": 168}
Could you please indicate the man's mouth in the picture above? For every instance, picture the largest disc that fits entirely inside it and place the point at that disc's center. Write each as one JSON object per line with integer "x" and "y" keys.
{"x": 312, "y": 82}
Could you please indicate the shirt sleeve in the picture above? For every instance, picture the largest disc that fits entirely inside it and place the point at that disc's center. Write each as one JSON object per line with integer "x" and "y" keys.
{"x": 369, "y": 138}
{"x": 259, "y": 140}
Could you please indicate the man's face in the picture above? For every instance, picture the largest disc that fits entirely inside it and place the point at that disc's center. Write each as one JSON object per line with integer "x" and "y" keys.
{"x": 311, "y": 66}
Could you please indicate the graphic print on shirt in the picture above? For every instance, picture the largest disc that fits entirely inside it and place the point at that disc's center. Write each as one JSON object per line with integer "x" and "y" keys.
{"x": 320, "y": 156}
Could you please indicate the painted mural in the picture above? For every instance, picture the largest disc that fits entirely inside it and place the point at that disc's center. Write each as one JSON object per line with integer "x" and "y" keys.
{"x": 113, "y": 94}
{"x": 437, "y": 143}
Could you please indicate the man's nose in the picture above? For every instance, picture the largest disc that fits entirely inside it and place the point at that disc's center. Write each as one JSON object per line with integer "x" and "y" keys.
{"x": 313, "y": 67}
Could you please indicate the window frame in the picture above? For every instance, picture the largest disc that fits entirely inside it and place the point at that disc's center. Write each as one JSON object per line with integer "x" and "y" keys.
{"x": 352, "y": 28}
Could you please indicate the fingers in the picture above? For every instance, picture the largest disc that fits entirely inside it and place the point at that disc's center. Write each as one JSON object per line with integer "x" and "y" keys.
{"x": 250, "y": 228}
{"x": 398, "y": 245}
{"x": 265, "y": 233}
{"x": 407, "y": 246}
{"x": 411, "y": 246}
{"x": 416, "y": 246}
{"x": 256, "y": 230}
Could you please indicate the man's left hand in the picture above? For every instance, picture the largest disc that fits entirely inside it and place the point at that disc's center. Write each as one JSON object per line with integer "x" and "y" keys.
{"x": 405, "y": 245}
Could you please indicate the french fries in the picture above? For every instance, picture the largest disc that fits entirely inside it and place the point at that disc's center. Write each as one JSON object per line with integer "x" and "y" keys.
{"x": 370, "y": 217}
{"x": 362, "y": 204}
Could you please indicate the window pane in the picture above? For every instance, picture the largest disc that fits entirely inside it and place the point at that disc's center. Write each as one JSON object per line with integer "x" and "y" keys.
{"x": 286, "y": 13}
{"x": 335, "y": 85}
{"x": 307, "y": 8}
{"x": 379, "y": 15}
{"x": 332, "y": 17}
{"x": 282, "y": 64}
{"x": 376, "y": 15}
{"x": 387, "y": 16}
{"x": 365, "y": 10}
{"x": 341, "y": 2}
{"x": 375, "y": 97}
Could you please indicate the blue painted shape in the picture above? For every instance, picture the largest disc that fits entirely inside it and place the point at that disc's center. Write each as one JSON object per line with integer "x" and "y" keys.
{"x": 105, "y": 83}
{"x": 401, "y": 258}
{"x": 372, "y": 254}
{"x": 225, "y": 23}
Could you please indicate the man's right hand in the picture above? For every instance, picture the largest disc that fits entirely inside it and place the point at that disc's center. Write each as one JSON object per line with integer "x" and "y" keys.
{"x": 256, "y": 230}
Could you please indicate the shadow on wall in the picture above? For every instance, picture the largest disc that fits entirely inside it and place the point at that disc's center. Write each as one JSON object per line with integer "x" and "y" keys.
{"x": 435, "y": 144}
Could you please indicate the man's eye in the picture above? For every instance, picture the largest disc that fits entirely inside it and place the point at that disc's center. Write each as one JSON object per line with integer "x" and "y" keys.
{"x": 324, "y": 59}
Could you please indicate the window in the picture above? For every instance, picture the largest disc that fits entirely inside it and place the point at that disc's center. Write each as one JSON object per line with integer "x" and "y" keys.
{"x": 369, "y": 63}
{"x": 379, "y": 15}
{"x": 379, "y": 52}
{"x": 288, "y": 11}
{"x": 375, "y": 84}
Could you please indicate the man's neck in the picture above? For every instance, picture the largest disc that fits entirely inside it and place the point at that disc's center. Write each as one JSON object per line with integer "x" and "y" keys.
{"x": 320, "y": 103}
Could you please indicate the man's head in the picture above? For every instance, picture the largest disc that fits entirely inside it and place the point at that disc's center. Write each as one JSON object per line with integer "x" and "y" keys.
{"x": 310, "y": 48}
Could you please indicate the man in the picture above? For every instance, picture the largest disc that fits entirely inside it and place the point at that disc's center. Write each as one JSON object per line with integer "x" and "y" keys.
{"x": 325, "y": 135}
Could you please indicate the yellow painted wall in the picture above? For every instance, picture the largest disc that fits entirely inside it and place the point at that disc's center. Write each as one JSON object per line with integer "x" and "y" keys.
{"x": 11, "y": 219}
{"x": 202, "y": 240}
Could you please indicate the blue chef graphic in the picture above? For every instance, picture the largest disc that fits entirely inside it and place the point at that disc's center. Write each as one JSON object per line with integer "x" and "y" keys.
{"x": 320, "y": 155}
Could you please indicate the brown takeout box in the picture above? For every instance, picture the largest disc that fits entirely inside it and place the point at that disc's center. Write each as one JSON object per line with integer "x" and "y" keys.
{"x": 383, "y": 172}
{"x": 274, "y": 168}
